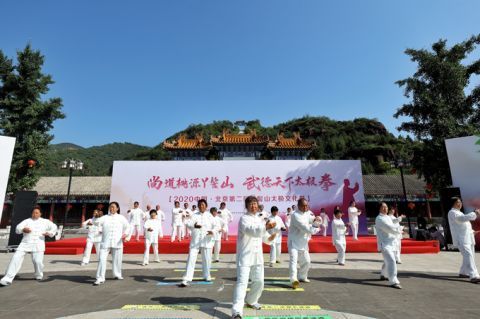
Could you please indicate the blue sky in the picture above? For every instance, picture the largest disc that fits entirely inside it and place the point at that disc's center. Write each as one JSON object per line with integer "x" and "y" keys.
{"x": 139, "y": 71}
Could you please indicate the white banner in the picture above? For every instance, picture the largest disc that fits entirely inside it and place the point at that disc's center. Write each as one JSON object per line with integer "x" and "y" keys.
{"x": 7, "y": 144}
{"x": 324, "y": 184}
{"x": 464, "y": 158}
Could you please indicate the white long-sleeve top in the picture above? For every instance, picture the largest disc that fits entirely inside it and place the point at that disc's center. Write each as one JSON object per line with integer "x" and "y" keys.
{"x": 200, "y": 237}
{"x": 219, "y": 224}
{"x": 177, "y": 217}
{"x": 155, "y": 225}
{"x": 325, "y": 219}
{"x": 339, "y": 230}
{"x": 397, "y": 220}
{"x": 288, "y": 218}
{"x": 353, "y": 214}
{"x": 251, "y": 234}
{"x": 136, "y": 216}
{"x": 387, "y": 232}
{"x": 301, "y": 230}
{"x": 35, "y": 240}
{"x": 94, "y": 231}
{"x": 461, "y": 227}
{"x": 277, "y": 229}
{"x": 160, "y": 215}
{"x": 114, "y": 227}
{"x": 226, "y": 216}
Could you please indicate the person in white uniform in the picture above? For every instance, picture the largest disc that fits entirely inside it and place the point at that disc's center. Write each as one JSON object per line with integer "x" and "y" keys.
{"x": 397, "y": 220}
{"x": 252, "y": 232}
{"x": 227, "y": 218}
{"x": 263, "y": 213}
{"x": 115, "y": 230}
{"x": 464, "y": 238}
{"x": 187, "y": 214}
{"x": 288, "y": 217}
{"x": 353, "y": 214}
{"x": 302, "y": 226}
{"x": 276, "y": 244}
{"x": 34, "y": 230}
{"x": 202, "y": 226}
{"x": 94, "y": 236}
{"x": 325, "y": 221}
{"x": 137, "y": 216}
{"x": 217, "y": 235}
{"x": 161, "y": 219}
{"x": 152, "y": 232}
{"x": 177, "y": 222}
{"x": 339, "y": 231}
{"x": 387, "y": 233}
{"x": 146, "y": 213}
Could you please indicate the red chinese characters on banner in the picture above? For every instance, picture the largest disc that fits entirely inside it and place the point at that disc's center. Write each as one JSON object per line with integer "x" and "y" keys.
{"x": 214, "y": 182}
{"x": 155, "y": 182}
{"x": 326, "y": 182}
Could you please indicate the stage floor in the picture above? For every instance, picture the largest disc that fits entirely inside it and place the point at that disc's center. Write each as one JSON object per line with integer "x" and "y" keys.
{"x": 318, "y": 244}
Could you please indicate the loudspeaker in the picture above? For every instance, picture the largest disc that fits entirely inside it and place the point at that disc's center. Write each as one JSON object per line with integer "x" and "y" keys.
{"x": 23, "y": 205}
{"x": 446, "y": 195}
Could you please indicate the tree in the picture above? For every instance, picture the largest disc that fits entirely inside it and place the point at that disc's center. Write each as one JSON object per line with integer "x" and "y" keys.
{"x": 441, "y": 105}
{"x": 25, "y": 115}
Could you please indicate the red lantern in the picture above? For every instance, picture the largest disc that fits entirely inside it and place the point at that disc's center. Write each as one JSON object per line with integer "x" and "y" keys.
{"x": 31, "y": 163}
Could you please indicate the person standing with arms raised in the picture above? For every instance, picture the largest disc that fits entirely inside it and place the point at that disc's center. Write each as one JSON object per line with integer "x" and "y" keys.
{"x": 252, "y": 232}
{"x": 387, "y": 233}
{"x": 203, "y": 227}
{"x": 115, "y": 229}
{"x": 302, "y": 226}
{"x": 34, "y": 230}
{"x": 463, "y": 238}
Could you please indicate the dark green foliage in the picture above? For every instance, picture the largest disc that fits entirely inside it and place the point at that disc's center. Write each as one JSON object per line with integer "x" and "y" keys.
{"x": 25, "y": 115}
{"x": 441, "y": 106}
{"x": 98, "y": 160}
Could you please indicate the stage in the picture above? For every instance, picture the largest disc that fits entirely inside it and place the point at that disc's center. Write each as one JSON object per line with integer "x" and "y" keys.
{"x": 318, "y": 244}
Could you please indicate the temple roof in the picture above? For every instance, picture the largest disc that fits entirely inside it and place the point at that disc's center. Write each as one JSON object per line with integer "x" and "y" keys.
{"x": 184, "y": 143}
{"x": 245, "y": 138}
{"x": 295, "y": 142}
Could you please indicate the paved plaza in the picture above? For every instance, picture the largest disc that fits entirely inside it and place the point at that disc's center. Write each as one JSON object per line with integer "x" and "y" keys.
{"x": 432, "y": 289}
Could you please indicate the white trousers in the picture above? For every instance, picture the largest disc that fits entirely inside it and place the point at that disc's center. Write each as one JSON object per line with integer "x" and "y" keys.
{"x": 146, "y": 254}
{"x": 117, "y": 255}
{"x": 225, "y": 232}
{"x": 138, "y": 230}
{"x": 192, "y": 259}
{"x": 354, "y": 227}
{"x": 324, "y": 230}
{"x": 341, "y": 248}
{"x": 399, "y": 251}
{"x": 17, "y": 261}
{"x": 468, "y": 263}
{"x": 216, "y": 249}
{"x": 240, "y": 296}
{"x": 303, "y": 258}
{"x": 275, "y": 252}
{"x": 160, "y": 231}
{"x": 176, "y": 232}
{"x": 88, "y": 251}
{"x": 389, "y": 267}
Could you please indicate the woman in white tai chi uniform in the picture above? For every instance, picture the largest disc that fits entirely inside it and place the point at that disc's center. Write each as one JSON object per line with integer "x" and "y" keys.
{"x": 152, "y": 232}
{"x": 94, "y": 236}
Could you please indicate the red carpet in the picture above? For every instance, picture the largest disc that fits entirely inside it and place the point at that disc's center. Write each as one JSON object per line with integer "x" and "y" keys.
{"x": 365, "y": 244}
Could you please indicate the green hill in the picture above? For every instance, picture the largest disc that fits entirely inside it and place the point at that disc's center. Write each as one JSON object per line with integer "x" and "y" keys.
{"x": 97, "y": 159}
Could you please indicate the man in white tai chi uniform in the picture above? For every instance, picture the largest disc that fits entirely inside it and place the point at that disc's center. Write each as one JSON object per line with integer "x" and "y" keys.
{"x": 34, "y": 230}
{"x": 137, "y": 216}
{"x": 387, "y": 233}
{"x": 252, "y": 232}
{"x": 94, "y": 236}
{"x": 464, "y": 238}
{"x": 161, "y": 219}
{"x": 177, "y": 222}
{"x": 302, "y": 226}
{"x": 353, "y": 214}
{"x": 227, "y": 218}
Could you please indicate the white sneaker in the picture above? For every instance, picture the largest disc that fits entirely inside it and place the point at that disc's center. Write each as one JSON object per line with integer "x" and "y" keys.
{"x": 119, "y": 278}
{"x": 83, "y": 264}
{"x": 38, "y": 278}
{"x": 305, "y": 280}
{"x": 255, "y": 306}
{"x": 5, "y": 283}
{"x": 98, "y": 283}
{"x": 157, "y": 261}
{"x": 144, "y": 264}
{"x": 208, "y": 278}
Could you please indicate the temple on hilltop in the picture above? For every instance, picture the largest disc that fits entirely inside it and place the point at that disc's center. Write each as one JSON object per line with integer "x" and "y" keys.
{"x": 239, "y": 146}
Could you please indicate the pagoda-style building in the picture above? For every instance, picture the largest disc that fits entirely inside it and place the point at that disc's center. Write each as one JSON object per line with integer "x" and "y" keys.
{"x": 294, "y": 148}
{"x": 188, "y": 149}
{"x": 239, "y": 146}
